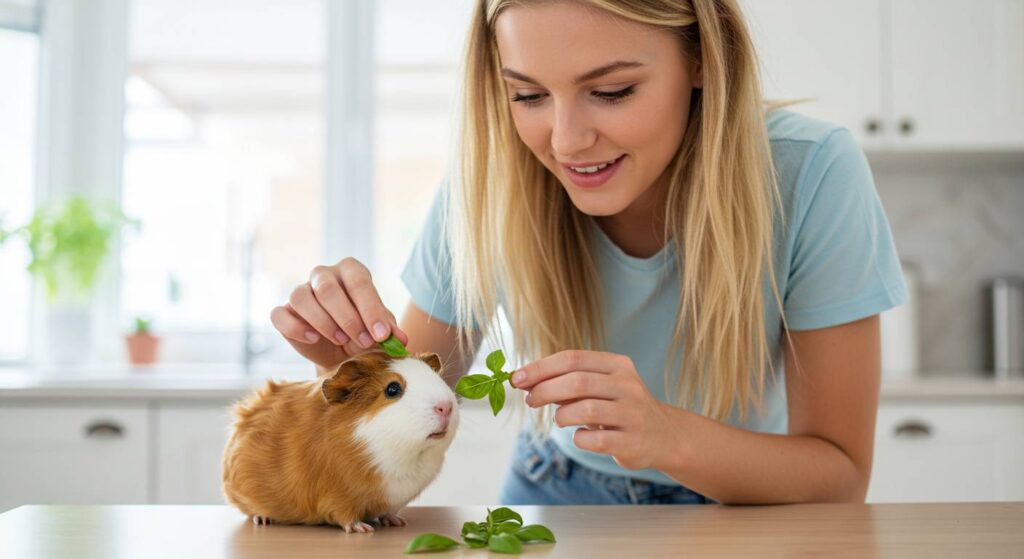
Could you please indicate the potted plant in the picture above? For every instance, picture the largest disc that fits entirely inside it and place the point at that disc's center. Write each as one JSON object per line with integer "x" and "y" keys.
{"x": 68, "y": 240}
{"x": 142, "y": 344}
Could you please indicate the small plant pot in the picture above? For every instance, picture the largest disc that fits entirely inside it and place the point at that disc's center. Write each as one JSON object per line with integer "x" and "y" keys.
{"x": 142, "y": 348}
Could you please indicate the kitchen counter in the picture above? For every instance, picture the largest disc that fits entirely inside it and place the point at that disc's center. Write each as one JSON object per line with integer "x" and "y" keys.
{"x": 227, "y": 382}
{"x": 594, "y": 532}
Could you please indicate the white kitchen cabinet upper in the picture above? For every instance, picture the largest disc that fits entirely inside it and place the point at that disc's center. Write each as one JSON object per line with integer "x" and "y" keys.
{"x": 902, "y": 75}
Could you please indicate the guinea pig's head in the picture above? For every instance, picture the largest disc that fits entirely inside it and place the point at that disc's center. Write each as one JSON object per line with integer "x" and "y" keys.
{"x": 403, "y": 401}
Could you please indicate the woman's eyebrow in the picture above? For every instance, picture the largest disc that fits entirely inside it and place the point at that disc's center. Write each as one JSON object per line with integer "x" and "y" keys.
{"x": 591, "y": 75}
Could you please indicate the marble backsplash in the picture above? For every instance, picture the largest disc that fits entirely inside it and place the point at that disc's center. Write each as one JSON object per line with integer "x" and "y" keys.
{"x": 960, "y": 222}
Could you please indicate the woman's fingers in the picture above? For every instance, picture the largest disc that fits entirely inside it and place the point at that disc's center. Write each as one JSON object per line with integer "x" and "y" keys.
{"x": 293, "y": 327}
{"x": 604, "y": 413}
{"x": 565, "y": 362}
{"x": 573, "y": 386}
{"x": 303, "y": 305}
{"x": 599, "y": 440}
{"x": 358, "y": 283}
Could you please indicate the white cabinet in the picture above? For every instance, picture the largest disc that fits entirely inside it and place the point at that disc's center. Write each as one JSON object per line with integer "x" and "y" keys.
{"x": 63, "y": 454}
{"x": 191, "y": 443}
{"x": 900, "y": 74}
{"x": 945, "y": 452}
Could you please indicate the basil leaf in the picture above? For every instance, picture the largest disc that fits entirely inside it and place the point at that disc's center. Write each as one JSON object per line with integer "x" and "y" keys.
{"x": 393, "y": 347}
{"x": 475, "y": 540}
{"x": 534, "y": 532}
{"x": 474, "y": 387}
{"x": 508, "y": 526}
{"x": 430, "y": 542}
{"x": 495, "y": 361}
{"x": 470, "y": 527}
{"x": 505, "y": 543}
{"x": 499, "y": 515}
{"x": 497, "y": 397}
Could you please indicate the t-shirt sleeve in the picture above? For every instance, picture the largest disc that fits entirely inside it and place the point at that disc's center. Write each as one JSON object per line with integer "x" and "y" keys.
{"x": 844, "y": 264}
{"x": 428, "y": 271}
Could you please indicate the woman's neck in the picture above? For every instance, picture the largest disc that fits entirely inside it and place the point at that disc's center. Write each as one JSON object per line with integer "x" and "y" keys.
{"x": 639, "y": 230}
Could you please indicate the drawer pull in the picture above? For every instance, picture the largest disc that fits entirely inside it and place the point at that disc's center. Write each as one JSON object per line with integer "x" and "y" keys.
{"x": 912, "y": 429}
{"x": 104, "y": 430}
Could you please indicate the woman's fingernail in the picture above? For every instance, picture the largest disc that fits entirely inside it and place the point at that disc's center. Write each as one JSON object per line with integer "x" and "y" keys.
{"x": 341, "y": 337}
{"x": 365, "y": 340}
{"x": 518, "y": 377}
{"x": 312, "y": 336}
{"x": 380, "y": 331}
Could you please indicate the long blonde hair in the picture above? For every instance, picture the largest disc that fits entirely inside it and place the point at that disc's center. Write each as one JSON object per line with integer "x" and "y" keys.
{"x": 511, "y": 226}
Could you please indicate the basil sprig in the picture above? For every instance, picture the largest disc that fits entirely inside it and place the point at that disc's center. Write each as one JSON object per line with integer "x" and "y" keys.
{"x": 477, "y": 386}
{"x": 502, "y": 531}
{"x": 393, "y": 347}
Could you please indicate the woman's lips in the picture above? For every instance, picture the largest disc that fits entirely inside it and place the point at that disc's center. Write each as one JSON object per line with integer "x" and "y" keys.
{"x": 593, "y": 180}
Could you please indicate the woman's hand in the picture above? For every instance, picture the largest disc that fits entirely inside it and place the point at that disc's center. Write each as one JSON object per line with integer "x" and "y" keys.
{"x": 604, "y": 393}
{"x": 335, "y": 315}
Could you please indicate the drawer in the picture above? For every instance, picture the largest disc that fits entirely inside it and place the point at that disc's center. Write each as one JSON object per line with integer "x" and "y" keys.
{"x": 52, "y": 454}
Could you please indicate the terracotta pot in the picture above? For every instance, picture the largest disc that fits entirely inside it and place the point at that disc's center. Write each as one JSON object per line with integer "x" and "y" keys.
{"x": 142, "y": 348}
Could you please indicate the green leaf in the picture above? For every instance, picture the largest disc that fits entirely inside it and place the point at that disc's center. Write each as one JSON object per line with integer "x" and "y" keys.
{"x": 474, "y": 387}
{"x": 534, "y": 532}
{"x": 497, "y": 397}
{"x": 393, "y": 347}
{"x": 508, "y": 526}
{"x": 495, "y": 361}
{"x": 430, "y": 542}
{"x": 499, "y": 515}
{"x": 477, "y": 537}
{"x": 505, "y": 543}
{"x": 470, "y": 527}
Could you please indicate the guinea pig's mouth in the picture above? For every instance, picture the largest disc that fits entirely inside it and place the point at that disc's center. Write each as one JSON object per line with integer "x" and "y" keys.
{"x": 437, "y": 435}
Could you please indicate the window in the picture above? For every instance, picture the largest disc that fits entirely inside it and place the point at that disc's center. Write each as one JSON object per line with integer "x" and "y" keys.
{"x": 223, "y": 165}
{"x": 19, "y": 62}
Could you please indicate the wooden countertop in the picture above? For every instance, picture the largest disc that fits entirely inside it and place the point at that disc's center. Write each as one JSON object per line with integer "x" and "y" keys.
{"x": 591, "y": 532}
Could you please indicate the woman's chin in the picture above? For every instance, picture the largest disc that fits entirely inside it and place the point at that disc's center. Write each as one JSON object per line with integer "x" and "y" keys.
{"x": 596, "y": 203}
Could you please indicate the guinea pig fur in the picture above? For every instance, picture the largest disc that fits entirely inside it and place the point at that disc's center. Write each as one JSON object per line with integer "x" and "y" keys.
{"x": 350, "y": 448}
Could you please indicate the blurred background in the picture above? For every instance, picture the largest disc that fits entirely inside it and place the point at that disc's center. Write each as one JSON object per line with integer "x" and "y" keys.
{"x": 171, "y": 169}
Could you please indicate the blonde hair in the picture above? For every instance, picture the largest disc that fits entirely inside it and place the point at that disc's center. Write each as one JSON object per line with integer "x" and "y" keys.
{"x": 508, "y": 217}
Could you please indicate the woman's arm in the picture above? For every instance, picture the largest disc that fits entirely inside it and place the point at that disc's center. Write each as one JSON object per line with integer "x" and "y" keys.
{"x": 833, "y": 397}
{"x": 832, "y": 384}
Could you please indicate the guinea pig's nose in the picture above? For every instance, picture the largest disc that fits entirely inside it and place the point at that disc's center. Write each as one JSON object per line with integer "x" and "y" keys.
{"x": 444, "y": 409}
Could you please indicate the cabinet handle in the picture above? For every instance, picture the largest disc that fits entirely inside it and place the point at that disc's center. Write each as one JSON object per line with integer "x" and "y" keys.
{"x": 104, "y": 430}
{"x": 913, "y": 429}
{"x": 907, "y": 126}
{"x": 873, "y": 126}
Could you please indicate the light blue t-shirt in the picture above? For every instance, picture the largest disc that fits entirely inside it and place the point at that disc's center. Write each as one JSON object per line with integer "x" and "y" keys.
{"x": 835, "y": 262}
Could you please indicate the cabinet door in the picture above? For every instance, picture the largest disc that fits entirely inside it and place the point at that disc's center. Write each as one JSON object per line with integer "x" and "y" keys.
{"x": 948, "y": 452}
{"x": 829, "y": 51}
{"x": 192, "y": 439}
{"x": 85, "y": 455}
{"x": 958, "y": 73}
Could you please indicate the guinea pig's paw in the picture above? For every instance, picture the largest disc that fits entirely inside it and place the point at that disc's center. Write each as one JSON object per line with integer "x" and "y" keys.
{"x": 389, "y": 519}
{"x": 358, "y": 526}
{"x": 262, "y": 520}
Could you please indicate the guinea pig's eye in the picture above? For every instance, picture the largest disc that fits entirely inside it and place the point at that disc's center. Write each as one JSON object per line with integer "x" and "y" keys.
{"x": 393, "y": 390}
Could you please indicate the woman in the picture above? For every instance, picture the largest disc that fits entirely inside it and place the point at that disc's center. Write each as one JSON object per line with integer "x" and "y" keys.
{"x": 664, "y": 248}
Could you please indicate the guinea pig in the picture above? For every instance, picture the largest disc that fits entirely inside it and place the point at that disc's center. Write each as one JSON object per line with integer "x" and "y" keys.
{"x": 349, "y": 449}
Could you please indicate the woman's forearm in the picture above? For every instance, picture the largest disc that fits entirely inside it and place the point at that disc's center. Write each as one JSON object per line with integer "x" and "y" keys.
{"x": 736, "y": 466}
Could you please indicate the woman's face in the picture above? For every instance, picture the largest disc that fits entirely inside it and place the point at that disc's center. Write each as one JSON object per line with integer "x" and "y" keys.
{"x": 588, "y": 88}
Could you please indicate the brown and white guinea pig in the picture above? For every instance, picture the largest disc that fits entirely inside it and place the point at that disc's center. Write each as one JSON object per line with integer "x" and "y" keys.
{"x": 349, "y": 448}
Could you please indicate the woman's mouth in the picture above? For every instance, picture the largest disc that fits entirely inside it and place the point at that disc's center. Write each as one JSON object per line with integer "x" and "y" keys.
{"x": 594, "y": 174}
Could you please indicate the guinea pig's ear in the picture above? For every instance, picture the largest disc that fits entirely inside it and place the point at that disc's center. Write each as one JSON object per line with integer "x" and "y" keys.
{"x": 431, "y": 359}
{"x": 341, "y": 385}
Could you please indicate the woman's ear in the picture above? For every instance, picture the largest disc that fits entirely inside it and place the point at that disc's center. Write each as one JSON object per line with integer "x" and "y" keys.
{"x": 431, "y": 359}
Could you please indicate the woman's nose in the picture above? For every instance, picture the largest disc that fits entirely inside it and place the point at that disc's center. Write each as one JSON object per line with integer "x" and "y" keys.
{"x": 571, "y": 133}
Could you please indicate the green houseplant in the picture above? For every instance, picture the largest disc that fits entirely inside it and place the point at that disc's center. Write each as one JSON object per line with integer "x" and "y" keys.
{"x": 68, "y": 240}
{"x": 142, "y": 344}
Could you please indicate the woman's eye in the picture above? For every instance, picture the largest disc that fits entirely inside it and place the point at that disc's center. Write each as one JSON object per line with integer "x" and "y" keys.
{"x": 528, "y": 100}
{"x": 393, "y": 390}
{"x": 614, "y": 96}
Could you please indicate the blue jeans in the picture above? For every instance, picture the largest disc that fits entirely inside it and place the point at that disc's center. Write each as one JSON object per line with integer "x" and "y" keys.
{"x": 541, "y": 474}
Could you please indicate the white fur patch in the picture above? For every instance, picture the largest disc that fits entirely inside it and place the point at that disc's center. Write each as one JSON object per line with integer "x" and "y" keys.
{"x": 396, "y": 438}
